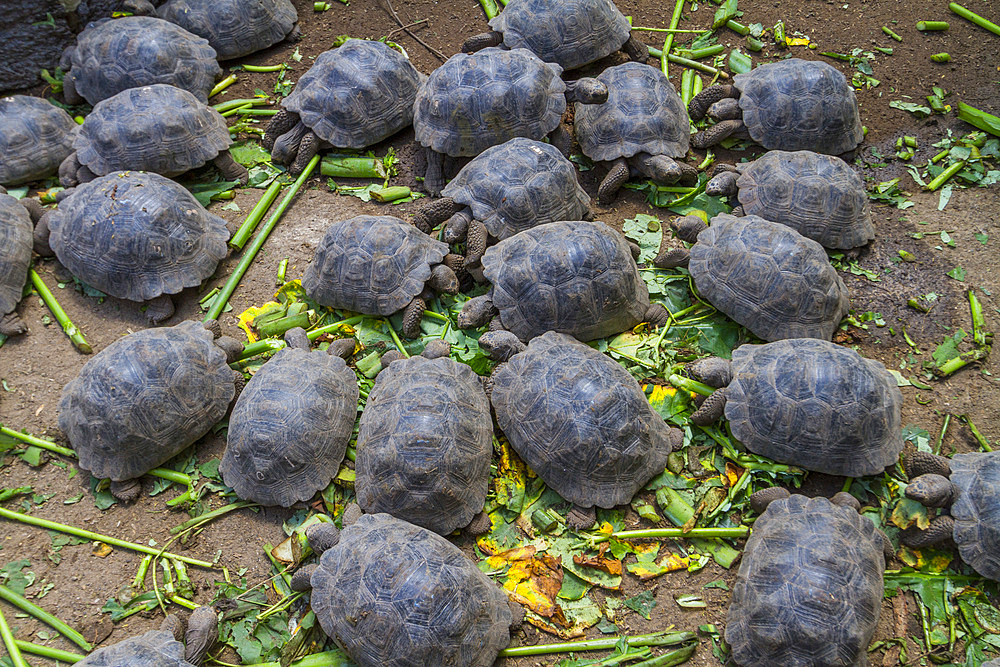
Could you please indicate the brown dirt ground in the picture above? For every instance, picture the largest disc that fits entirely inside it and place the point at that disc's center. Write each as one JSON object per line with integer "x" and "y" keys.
{"x": 35, "y": 367}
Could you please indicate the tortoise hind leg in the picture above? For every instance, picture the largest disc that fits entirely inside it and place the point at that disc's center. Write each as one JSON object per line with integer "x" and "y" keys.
{"x": 717, "y": 133}
{"x": 126, "y": 490}
{"x": 202, "y": 631}
{"x": 12, "y": 325}
{"x": 702, "y": 101}
{"x": 482, "y": 41}
{"x": 480, "y": 525}
{"x": 617, "y": 177}
{"x": 636, "y": 50}
{"x": 412, "y": 316}
{"x": 940, "y": 530}
{"x": 159, "y": 309}
{"x": 230, "y": 169}
{"x": 581, "y": 518}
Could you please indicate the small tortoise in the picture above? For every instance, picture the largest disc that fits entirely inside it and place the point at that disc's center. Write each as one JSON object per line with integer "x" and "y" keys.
{"x": 380, "y": 265}
{"x": 474, "y": 101}
{"x": 17, "y": 220}
{"x": 765, "y": 275}
{"x": 113, "y": 55}
{"x": 520, "y": 184}
{"x": 163, "y": 647}
{"x": 136, "y": 236}
{"x": 392, "y": 594}
{"x": 578, "y": 418}
{"x": 289, "y": 429}
{"x": 969, "y": 487}
{"x": 809, "y": 588}
{"x": 819, "y": 196}
{"x": 575, "y": 277}
{"x": 234, "y": 28}
{"x": 640, "y": 129}
{"x": 789, "y": 105}
{"x": 570, "y": 33}
{"x": 35, "y": 137}
{"x": 425, "y": 442}
{"x": 146, "y": 397}
{"x": 807, "y": 402}
{"x": 156, "y": 128}
{"x": 353, "y": 96}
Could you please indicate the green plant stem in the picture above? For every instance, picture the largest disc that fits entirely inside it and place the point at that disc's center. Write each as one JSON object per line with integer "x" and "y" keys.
{"x": 848, "y": 482}
{"x": 275, "y": 344}
{"x": 178, "y": 478}
{"x": 981, "y": 119}
{"x": 669, "y": 42}
{"x": 961, "y": 361}
{"x": 674, "y": 533}
{"x": 978, "y": 321}
{"x": 698, "y": 54}
{"x": 45, "y": 617}
{"x": 352, "y": 167}
{"x": 222, "y": 107}
{"x": 222, "y": 85}
{"x": 738, "y": 27}
{"x": 90, "y": 535}
{"x": 490, "y": 8}
{"x": 49, "y": 652}
{"x": 932, "y": 25}
{"x": 653, "y": 639}
{"x": 941, "y": 178}
{"x": 233, "y": 112}
{"x": 676, "y": 31}
{"x": 253, "y": 218}
{"x": 75, "y": 335}
{"x": 941, "y": 57}
{"x": 248, "y": 111}
{"x": 690, "y": 385}
{"x": 37, "y": 442}
{"x": 675, "y": 657}
{"x": 395, "y": 339}
{"x": 940, "y": 438}
{"x": 264, "y": 68}
{"x": 140, "y": 574}
{"x": 983, "y": 442}
{"x": 975, "y": 18}
{"x": 13, "y": 652}
{"x": 258, "y": 242}
{"x": 390, "y": 194}
{"x": 335, "y": 658}
{"x": 889, "y": 32}
{"x": 209, "y": 516}
{"x": 7, "y": 494}
{"x": 701, "y": 67}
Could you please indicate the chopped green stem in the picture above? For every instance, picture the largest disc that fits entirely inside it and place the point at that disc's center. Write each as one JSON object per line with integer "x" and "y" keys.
{"x": 634, "y": 360}
{"x": 352, "y": 453}
{"x": 676, "y": 31}
{"x": 264, "y": 68}
{"x": 653, "y": 639}
{"x": 75, "y": 335}
{"x": 673, "y": 533}
{"x": 7, "y": 494}
{"x": 847, "y": 484}
{"x": 90, "y": 535}
{"x": 275, "y": 344}
{"x": 738, "y": 27}
{"x": 664, "y": 55}
{"x": 981, "y": 119}
{"x": 932, "y": 25}
{"x": 978, "y": 322}
{"x": 222, "y": 85}
{"x": 391, "y": 194}
{"x": 434, "y": 315}
{"x": 253, "y": 219}
{"x": 335, "y": 658}
{"x": 690, "y": 385}
{"x": 189, "y": 495}
{"x": 140, "y": 576}
{"x": 13, "y": 652}
{"x": 37, "y": 442}
{"x": 698, "y": 54}
{"x": 282, "y": 269}
{"x": 677, "y": 60}
{"x": 942, "y": 57}
{"x": 975, "y": 18}
{"x": 962, "y": 360}
{"x": 945, "y": 175}
{"x": 352, "y": 167}
{"x": 395, "y": 339}
{"x": 45, "y": 617}
{"x": 490, "y": 8}
{"x": 940, "y": 438}
{"x": 280, "y": 606}
{"x": 233, "y": 112}
{"x": 710, "y": 157}
{"x": 675, "y": 657}
{"x": 202, "y": 519}
{"x": 983, "y": 442}
{"x": 222, "y": 107}
{"x": 49, "y": 652}
{"x": 247, "y": 111}
{"x": 891, "y": 34}
{"x": 251, "y": 252}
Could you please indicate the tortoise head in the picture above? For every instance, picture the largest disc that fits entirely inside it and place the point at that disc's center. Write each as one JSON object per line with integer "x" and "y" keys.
{"x": 932, "y": 490}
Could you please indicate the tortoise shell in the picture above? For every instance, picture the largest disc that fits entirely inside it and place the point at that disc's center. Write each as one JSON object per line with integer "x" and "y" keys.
{"x": 977, "y": 511}
{"x": 809, "y": 588}
{"x": 156, "y": 128}
{"x": 15, "y": 252}
{"x": 643, "y": 114}
{"x": 136, "y": 236}
{"x": 373, "y": 264}
{"x": 477, "y": 100}
{"x": 289, "y": 429}
{"x": 580, "y": 421}
{"x": 570, "y": 33}
{"x": 795, "y": 104}
{"x": 424, "y": 444}
{"x": 234, "y": 28}
{"x": 819, "y": 196}
{"x": 35, "y": 137}
{"x": 518, "y": 185}
{"x": 769, "y": 278}
{"x": 145, "y": 398}
{"x": 397, "y": 595}
{"x": 573, "y": 277}
{"x": 814, "y": 404}
{"x": 357, "y": 94}
{"x": 114, "y": 55}
{"x": 156, "y": 648}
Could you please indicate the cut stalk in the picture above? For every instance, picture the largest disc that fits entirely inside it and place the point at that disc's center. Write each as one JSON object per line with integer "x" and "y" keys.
{"x": 222, "y": 85}
{"x": 227, "y": 290}
{"x": 222, "y": 107}
{"x": 941, "y": 57}
{"x": 676, "y": 31}
{"x": 279, "y": 279}
{"x": 264, "y": 68}
{"x": 675, "y": 657}
{"x": 975, "y": 18}
{"x": 37, "y": 442}
{"x": 669, "y": 42}
{"x": 687, "y": 86}
{"x": 889, "y": 32}
{"x": 45, "y": 617}
{"x": 701, "y": 67}
{"x": 490, "y": 8}
{"x": 978, "y": 321}
{"x": 75, "y": 335}
{"x": 943, "y": 177}
{"x": 13, "y": 652}
{"x": 698, "y": 54}
{"x": 738, "y": 27}
{"x": 930, "y": 26}
{"x": 606, "y": 644}
{"x": 274, "y": 344}
{"x": 246, "y": 111}
{"x": 690, "y": 385}
{"x": 335, "y": 658}
{"x": 981, "y": 119}
{"x": 391, "y": 194}
{"x": 209, "y": 516}
{"x": 395, "y": 339}
{"x": 233, "y": 112}
{"x": 7, "y": 494}
{"x": 674, "y": 533}
{"x": 49, "y": 652}
{"x": 90, "y": 535}
{"x": 961, "y": 361}
{"x": 940, "y": 438}
{"x": 353, "y": 167}
{"x": 190, "y": 495}
{"x": 983, "y": 442}
{"x": 253, "y": 219}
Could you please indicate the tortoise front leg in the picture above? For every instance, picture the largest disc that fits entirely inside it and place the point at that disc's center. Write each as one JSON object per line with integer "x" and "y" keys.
{"x": 434, "y": 212}
{"x": 616, "y": 177}
{"x": 712, "y": 409}
{"x": 286, "y": 147}
{"x": 717, "y": 133}
{"x": 636, "y": 50}
{"x": 12, "y": 325}
{"x": 581, "y": 518}
{"x": 159, "y": 309}
{"x": 480, "y": 525}
{"x": 202, "y": 631}
{"x": 656, "y": 315}
{"x": 230, "y": 169}
{"x": 308, "y": 147}
{"x": 706, "y": 98}
{"x": 40, "y": 237}
{"x": 482, "y": 41}
{"x": 412, "y": 316}
{"x": 925, "y": 463}
{"x": 68, "y": 169}
{"x": 434, "y": 176}
{"x": 939, "y": 530}
{"x": 126, "y": 490}
{"x": 562, "y": 140}
{"x": 72, "y": 97}
{"x": 280, "y": 123}
{"x": 475, "y": 242}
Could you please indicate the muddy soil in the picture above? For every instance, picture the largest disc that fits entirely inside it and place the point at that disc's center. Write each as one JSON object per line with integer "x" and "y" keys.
{"x": 35, "y": 367}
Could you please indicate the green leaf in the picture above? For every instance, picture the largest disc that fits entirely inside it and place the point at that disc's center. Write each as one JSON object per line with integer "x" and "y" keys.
{"x": 204, "y": 192}
{"x": 249, "y": 153}
{"x": 14, "y": 578}
{"x": 647, "y": 231}
{"x": 982, "y": 237}
{"x": 103, "y": 498}
{"x": 718, "y": 583}
{"x": 690, "y": 602}
{"x": 642, "y": 603}
{"x": 918, "y": 110}
{"x": 948, "y": 349}
{"x": 958, "y": 273}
